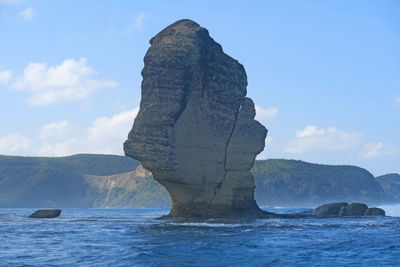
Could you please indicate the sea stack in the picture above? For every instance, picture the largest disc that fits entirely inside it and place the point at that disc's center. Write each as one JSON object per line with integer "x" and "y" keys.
{"x": 195, "y": 130}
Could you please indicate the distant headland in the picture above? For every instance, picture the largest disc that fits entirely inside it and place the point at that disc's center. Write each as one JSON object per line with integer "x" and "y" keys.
{"x": 108, "y": 181}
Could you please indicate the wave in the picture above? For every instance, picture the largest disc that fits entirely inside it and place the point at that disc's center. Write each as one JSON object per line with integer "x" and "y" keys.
{"x": 209, "y": 224}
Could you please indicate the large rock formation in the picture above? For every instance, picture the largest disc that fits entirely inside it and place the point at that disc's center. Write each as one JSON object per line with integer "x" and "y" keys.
{"x": 195, "y": 130}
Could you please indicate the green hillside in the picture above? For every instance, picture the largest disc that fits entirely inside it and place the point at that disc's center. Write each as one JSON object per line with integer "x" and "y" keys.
{"x": 113, "y": 181}
{"x": 54, "y": 182}
{"x": 126, "y": 190}
{"x": 298, "y": 183}
{"x": 391, "y": 184}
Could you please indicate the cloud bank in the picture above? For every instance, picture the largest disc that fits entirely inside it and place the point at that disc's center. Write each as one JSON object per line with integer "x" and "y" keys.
{"x": 5, "y": 76}
{"x": 70, "y": 81}
{"x": 312, "y": 138}
{"x": 27, "y": 14}
{"x": 264, "y": 115}
{"x": 104, "y": 135}
{"x": 374, "y": 150}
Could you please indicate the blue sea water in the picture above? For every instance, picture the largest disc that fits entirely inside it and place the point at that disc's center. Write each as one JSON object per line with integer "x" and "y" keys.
{"x": 132, "y": 237}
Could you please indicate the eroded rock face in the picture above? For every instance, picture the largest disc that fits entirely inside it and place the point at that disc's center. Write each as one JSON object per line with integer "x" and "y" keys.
{"x": 331, "y": 209}
{"x": 195, "y": 130}
{"x": 374, "y": 212}
{"x": 356, "y": 209}
{"x": 343, "y": 209}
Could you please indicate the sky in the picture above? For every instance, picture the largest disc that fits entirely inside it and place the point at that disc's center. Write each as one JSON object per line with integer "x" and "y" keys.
{"x": 324, "y": 75}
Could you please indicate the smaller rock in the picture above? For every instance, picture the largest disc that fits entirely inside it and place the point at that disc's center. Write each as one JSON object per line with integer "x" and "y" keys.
{"x": 374, "y": 212}
{"x": 330, "y": 210}
{"x": 46, "y": 214}
{"x": 343, "y": 209}
{"x": 356, "y": 209}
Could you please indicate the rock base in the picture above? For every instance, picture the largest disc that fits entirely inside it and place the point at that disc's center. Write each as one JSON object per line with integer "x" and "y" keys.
{"x": 331, "y": 210}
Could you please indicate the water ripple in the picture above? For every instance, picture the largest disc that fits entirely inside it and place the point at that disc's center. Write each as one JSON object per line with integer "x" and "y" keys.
{"x": 112, "y": 237}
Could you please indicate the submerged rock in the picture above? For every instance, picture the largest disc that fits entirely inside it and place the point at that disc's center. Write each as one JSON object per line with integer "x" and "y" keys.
{"x": 45, "y": 214}
{"x": 195, "y": 130}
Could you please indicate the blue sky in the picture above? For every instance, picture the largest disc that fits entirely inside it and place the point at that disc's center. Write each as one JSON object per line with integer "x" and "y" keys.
{"x": 325, "y": 75}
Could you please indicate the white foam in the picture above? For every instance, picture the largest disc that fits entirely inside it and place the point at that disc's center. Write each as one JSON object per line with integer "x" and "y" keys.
{"x": 205, "y": 224}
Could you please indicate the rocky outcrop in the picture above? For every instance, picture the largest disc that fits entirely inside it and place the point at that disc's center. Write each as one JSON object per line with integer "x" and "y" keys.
{"x": 355, "y": 209}
{"x": 332, "y": 209}
{"x": 45, "y": 214}
{"x": 195, "y": 130}
{"x": 343, "y": 209}
{"x": 374, "y": 212}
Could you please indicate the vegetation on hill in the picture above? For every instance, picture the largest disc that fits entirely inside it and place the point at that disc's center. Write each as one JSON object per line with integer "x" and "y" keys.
{"x": 298, "y": 183}
{"x": 126, "y": 190}
{"x": 111, "y": 181}
{"x": 54, "y": 182}
{"x": 391, "y": 184}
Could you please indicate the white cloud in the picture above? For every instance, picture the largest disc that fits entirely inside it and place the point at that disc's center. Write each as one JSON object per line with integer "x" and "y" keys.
{"x": 28, "y": 13}
{"x": 264, "y": 154}
{"x": 264, "y": 115}
{"x": 108, "y": 129}
{"x": 139, "y": 21}
{"x": 58, "y": 131}
{"x": 104, "y": 135}
{"x": 14, "y": 144}
{"x": 397, "y": 101}
{"x": 67, "y": 82}
{"x": 268, "y": 140}
{"x": 314, "y": 139}
{"x": 374, "y": 150}
{"x": 137, "y": 24}
{"x": 5, "y": 76}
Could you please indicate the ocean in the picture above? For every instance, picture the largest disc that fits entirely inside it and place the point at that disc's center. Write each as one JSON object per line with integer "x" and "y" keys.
{"x": 132, "y": 237}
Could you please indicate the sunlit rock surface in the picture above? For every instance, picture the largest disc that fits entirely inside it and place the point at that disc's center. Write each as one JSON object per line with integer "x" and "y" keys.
{"x": 195, "y": 131}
